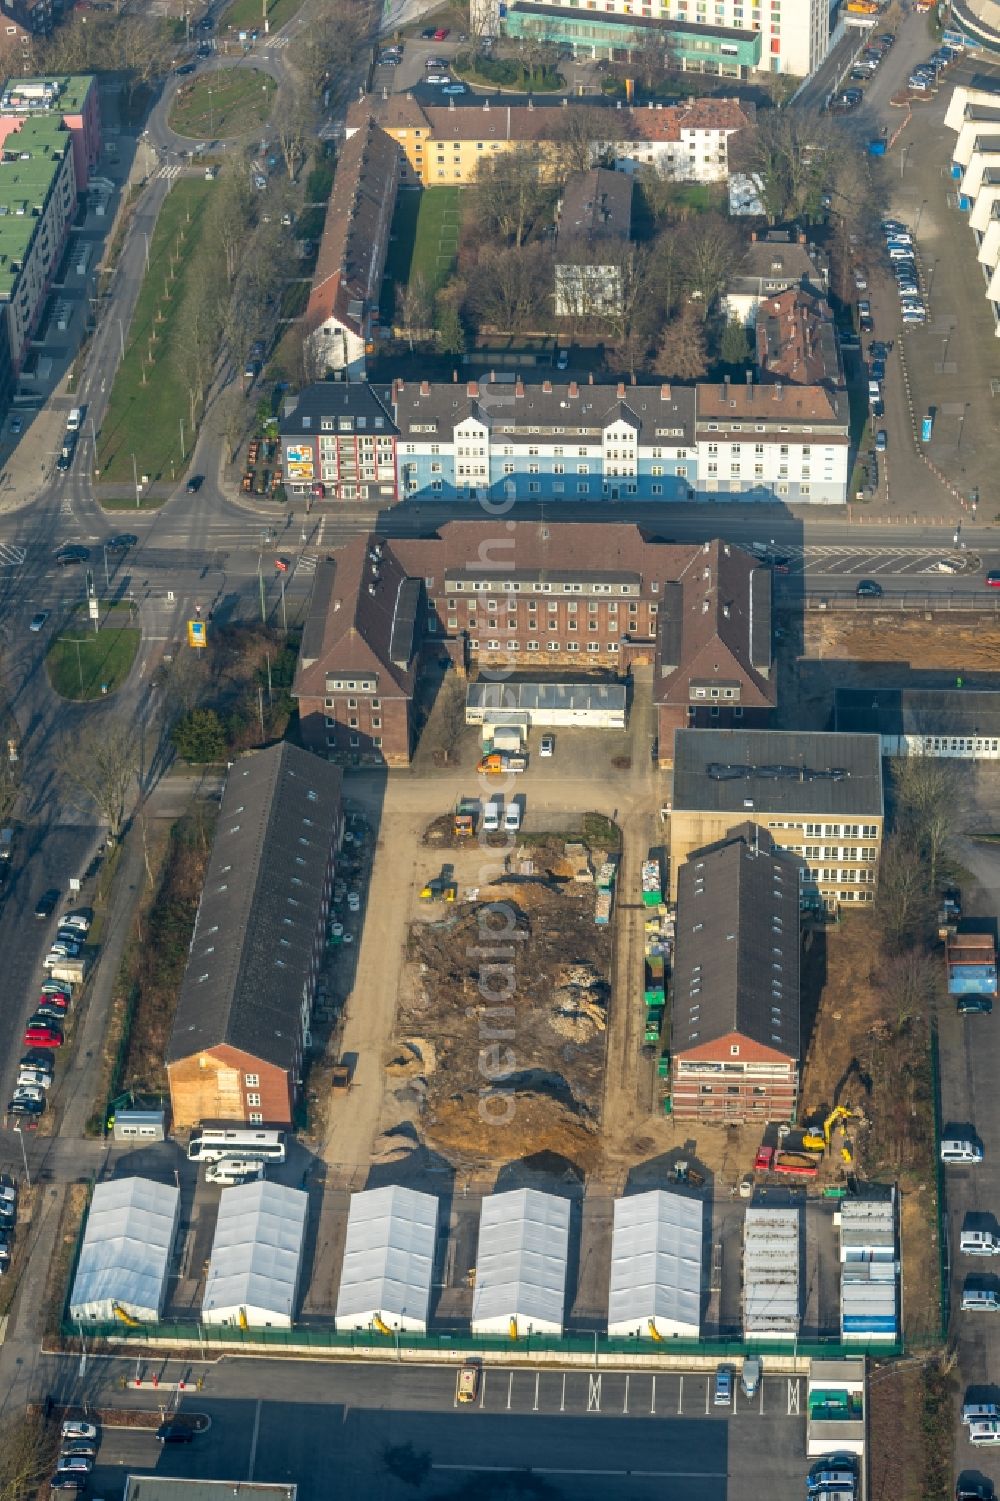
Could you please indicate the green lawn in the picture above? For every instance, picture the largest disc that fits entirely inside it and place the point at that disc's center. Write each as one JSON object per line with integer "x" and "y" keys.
{"x": 424, "y": 242}
{"x": 145, "y": 419}
{"x": 81, "y": 659}
{"x": 127, "y": 502}
{"x": 227, "y": 102}
{"x": 244, "y": 15}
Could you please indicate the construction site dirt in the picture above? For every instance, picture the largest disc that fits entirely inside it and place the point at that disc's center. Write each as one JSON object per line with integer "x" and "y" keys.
{"x": 823, "y": 652}
{"x": 503, "y": 1012}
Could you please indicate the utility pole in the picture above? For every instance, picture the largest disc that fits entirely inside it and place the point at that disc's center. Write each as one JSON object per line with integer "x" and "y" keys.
{"x": 135, "y": 476}
{"x": 260, "y": 580}
{"x": 181, "y": 420}
{"x": 260, "y": 709}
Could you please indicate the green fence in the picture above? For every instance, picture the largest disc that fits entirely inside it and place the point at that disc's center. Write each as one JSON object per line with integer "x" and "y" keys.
{"x": 303, "y": 1337}
{"x": 944, "y": 1279}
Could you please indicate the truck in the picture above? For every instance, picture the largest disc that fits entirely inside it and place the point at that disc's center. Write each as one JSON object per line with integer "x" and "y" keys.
{"x": 606, "y": 875}
{"x": 602, "y": 909}
{"x": 499, "y": 764}
{"x": 971, "y": 961}
{"x": 652, "y": 883}
{"x": 750, "y": 1375}
{"x": 73, "y": 971}
{"x": 653, "y": 992}
{"x": 506, "y": 737}
{"x": 798, "y": 1164}
{"x": 466, "y": 813}
{"x": 654, "y": 1023}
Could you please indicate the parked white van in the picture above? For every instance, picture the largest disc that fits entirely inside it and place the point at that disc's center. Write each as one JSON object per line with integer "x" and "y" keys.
{"x": 512, "y": 817}
{"x": 980, "y": 1299}
{"x": 231, "y": 1170}
{"x": 491, "y": 816}
{"x": 979, "y": 1243}
{"x": 964, "y": 1150}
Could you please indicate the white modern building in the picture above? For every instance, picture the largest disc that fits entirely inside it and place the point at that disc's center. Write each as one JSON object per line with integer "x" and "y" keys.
{"x": 125, "y": 1257}
{"x": 548, "y": 706}
{"x": 656, "y": 1266}
{"x": 786, "y": 442}
{"x": 869, "y": 1272}
{"x": 956, "y": 724}
{"x": 385, "y": 1279}
{"x": 771, "y": 1258}
{"x": 974, "y": 115}
{"x": 253, "y": 1276}
{"x": 521, "y": 1266}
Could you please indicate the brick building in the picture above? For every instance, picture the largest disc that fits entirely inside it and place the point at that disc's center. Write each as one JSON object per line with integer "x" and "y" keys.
{"x": 735, "y": 1026}
{"x": 245, "y": 1004}
{"x": 597, "y": 598}
{"x": 818, "y": 795}
{"x": 342, "y": 311}
{"x": 796, "y": 341}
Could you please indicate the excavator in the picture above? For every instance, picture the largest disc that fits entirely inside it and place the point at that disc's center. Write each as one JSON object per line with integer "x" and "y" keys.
{"x": 126, "y": 1318}
{"x": 818, "y": 1139}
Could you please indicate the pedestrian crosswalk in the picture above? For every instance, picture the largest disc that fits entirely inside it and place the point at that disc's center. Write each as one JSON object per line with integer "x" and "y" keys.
{"x": 307, "y": 563}
{"x": 169, "y": 173}
{"x": 11, "y": 556}
{"x": 276, "y": 43}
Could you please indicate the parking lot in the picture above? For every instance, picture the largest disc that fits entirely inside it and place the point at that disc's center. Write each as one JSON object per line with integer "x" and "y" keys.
{"x": 573, "y": 1434}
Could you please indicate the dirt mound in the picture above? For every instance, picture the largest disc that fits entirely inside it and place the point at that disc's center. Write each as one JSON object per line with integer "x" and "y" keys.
{"x": 509, "y": 999}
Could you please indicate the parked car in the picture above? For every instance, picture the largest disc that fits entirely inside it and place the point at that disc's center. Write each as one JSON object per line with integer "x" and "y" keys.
{"x": 78, "y": 1428}
{"x": 723, "y": 1392}
{"x": 73, "y": 553}
{"x": 868, "y": 589}
{"x": 38, "y": 620}
{"x": 42, "y": 1034}
{"x": 881, "y": 440}
{"x": 547, "y": 747}
{"x": 35, "y": 1078}
{"x": 174, "y": 1433}
{"x": 435, "y": 64}
{"x": 441, "y": 34}
{"x": 974, "y": 1005}
{"x": 438, "y": 78}
{"x": 121, "y": 542}
{"x": 454, "y": 88}
{"x": 993, "y": 579}
{"x": 46, "y": 904}
{"x": 81, "y": 920}
{"x": 31, "y": 1108}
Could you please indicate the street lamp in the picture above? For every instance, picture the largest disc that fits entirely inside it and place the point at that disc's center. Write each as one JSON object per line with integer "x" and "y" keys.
{"x": 121, "y": 337}
{"x": 135, "y": 477}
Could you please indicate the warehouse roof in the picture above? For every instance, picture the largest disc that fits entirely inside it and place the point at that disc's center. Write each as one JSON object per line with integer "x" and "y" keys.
{"x": 737, "y": 959}
{"x": 126, "y": 1247}
{"x": 939, "y": 712}
{"x": 252, "y": 947}
{"x": 257, "y": 1250}
{"x": 523, "y": 1254}
{"x": 514, "y": 695}
{"x": 389, "y": 1256}
{"x": 777, "y": 771}
{"x": 656, "y": 1259}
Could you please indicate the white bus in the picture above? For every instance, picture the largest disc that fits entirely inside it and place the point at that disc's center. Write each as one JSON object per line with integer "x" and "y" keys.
{"x": 211, "y": 1145}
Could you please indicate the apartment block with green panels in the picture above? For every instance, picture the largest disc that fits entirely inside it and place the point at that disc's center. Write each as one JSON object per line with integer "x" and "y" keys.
{"x": 37, "y": 205}
{"x": 718, "y": 50}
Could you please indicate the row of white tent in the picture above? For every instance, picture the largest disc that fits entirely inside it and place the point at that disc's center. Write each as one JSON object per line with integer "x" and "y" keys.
{"x": 388, "y": 1265}
{"x": 125, "y": 1259}
{"x": 522, "y": 1261}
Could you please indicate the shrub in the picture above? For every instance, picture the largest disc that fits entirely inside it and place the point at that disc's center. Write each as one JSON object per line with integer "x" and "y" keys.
{"x": 199, "y": 736}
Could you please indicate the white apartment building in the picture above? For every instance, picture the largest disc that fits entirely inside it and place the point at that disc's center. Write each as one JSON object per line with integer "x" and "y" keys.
{"x": 974, "y": 116}
{"x": 790, "y": 443}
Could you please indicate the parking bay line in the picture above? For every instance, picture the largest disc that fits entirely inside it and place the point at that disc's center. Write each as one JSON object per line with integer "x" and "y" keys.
{"x": 611, "y": 1474}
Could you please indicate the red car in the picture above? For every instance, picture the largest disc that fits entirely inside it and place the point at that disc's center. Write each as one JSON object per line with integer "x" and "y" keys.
{"x": 42, "y": 1037}
{"x": 441, "y": 33}
{"x": 281, "y": 565}
{"x": 54, "y": 998}
{"x": 993, "y": 579}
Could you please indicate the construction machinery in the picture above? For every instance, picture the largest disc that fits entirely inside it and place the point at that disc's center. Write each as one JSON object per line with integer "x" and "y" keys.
{"x": 244, "y": 1321}
{"x": 126, "y": 1318}
{"x": 466, "y": 809}
{"x": 441, "y": 888}
{"x": 686, "y": 1174}
{"x": 654, "y": 1333}
{"x": 818, "y": 1139}
{"x": 380, "y": 1324}
{"x": 512, "y": 1329}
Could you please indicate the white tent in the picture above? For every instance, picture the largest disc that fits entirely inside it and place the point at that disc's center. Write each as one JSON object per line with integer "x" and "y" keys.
{"x": 385, "y": 1279}
{"x": 253, "y": 1276}
{"x": 656, "y": 1260}
{"x": 125, "y": 1256}
{"x": 521, "y": 1266}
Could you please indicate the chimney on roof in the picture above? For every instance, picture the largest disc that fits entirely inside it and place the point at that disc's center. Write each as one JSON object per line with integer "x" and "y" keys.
{"x": 632, "y": 380}
{"x": 493, "y": 377}
{"x": 665, "y": 393}
{"x": 574, "y": 389}
{"x": 777, "y": 391}
{"x": 425, "y": 388}
{"x": 397, "y": 386}
{"x": 519, "y": 387}
{"x": 547, "y": 387}
{"x": 802, "y": 239}
{"x": 621, "y": 390}
{"x": 454, "y": 377}
{"x": 590, "y": 378}
{"x": 753, "y": 236}
{"x": 472, "y": 390}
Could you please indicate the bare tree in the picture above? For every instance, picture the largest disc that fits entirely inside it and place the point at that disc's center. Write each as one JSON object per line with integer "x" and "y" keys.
{"x": 100, "y": 765}
{"x": 681, "y": 354}
{"x": 584, "y": 137}
{"x": 931, "y": 795}
{"x": 27, "y": 1454}
{"x": 652, "y": 59}
{"x": 510, "y": 195}
{"x": 295, "y": 124}
{"x": 231, "y": 212}
{"x": 326, "y": 50}
{"x": 234, "y": 419}
{"x": 10, "y": 786}
{"x": 509, "y": 289}
{"x": 448, "y": 720}
{"x": 194, "y": 354}
{"x": 908, "y": 984}
{"x": 904, "y": 904}
{"x": 711, "y": 247}
{"x": 414, "y": 308}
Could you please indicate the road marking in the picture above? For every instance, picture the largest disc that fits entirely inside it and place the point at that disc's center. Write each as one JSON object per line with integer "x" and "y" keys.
{"x": 537, "y": 1376}
{"x": 11, "y": 556}
{"x": 510, "y": 1388}
{"x": 562, "y": 1399}
{"x": 253, "y": 1441}
{"x": 548, "y": 1470}
{"x": 793, "y": 1396}
{"x": 652, "y": 1399}
{"x": 625, "y": 1402}
{"x": 167, "y": 173}
{"x": 482, "y": 1390}
{"x": 594, "y": 1394}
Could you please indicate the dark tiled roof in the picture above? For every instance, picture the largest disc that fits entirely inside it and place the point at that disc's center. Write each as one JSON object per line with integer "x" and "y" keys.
{"x": 596, "y": 205}
{"x": 736, "y": 966}
{"x": 796, "y": 340}
{"x": 253, "y": 941}
{"x": 778, "y": 771}
{"x": 360, "y": 401}
{"x": 917, "y": 711}
{"x": 352, "y": 250}
{"x": 714, "y": 626}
